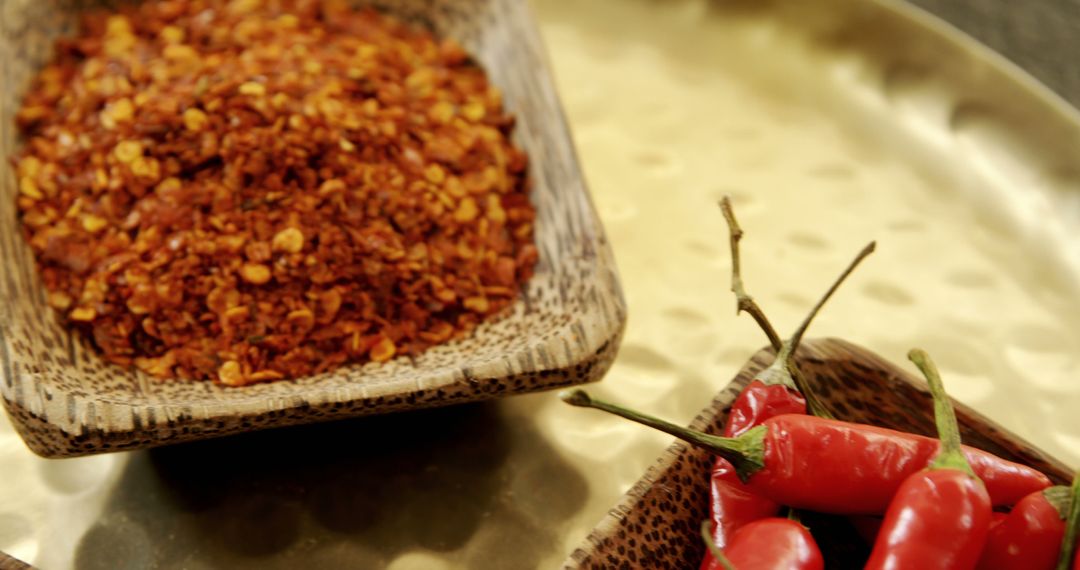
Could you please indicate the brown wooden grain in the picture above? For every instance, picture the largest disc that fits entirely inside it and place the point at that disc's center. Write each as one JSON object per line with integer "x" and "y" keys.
{"x": 65, "y": 401}
{"x": 656, "y": 524}
{"x": 9, "y": 563}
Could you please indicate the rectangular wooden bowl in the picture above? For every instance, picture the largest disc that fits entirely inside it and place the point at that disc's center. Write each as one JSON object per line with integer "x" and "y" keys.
{"x": 565, "y": 329}
{"x": 657, "y": 523}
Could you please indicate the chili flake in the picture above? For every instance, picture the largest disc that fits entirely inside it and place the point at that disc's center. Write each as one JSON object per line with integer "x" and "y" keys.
{"x": 250, "y": 190}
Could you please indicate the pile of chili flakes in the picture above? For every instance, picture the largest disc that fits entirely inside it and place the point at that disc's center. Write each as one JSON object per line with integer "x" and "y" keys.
{"x": 261, "y": 189}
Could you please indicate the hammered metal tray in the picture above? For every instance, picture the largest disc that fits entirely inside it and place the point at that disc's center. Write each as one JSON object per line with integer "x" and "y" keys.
{"x": 832, "y": 123}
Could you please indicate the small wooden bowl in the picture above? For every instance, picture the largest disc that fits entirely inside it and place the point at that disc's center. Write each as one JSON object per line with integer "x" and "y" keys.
{"x": 9, "y": 563}
{"x": 65, "y": 401}
{"x": 657, "y": 523}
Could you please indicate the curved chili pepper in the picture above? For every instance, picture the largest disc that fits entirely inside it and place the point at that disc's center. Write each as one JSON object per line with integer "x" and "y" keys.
{"x": 832, "y": 466}
{"x": 760, "y": 401}
{"x": 733, "y": 504}
{"x": 940, "y": 516}
{"x": 772, "y": 392}
{"x": 771, "y": 544}
{"x": 844, "y": 468}
{"x": 1029, "y": 537}
{"x": 938, "y": 520}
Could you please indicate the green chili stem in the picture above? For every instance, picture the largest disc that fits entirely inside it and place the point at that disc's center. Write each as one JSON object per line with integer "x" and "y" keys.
{"x": 743, "y": 301}
{"x": 813, "y": 403}
{"x": 1068, "y": 543}
{"x": 706, "y": 535}
{"x": 746, "y": 452}
{"x": 1058, "y": 497}
{"x": 951, "y": 455}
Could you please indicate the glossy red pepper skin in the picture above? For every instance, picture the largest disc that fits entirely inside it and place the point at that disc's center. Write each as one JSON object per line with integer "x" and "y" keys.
{"x": 1028, "y": 538}
{"x": 839, "y": 467}
{"x": 772, "y": 544}
{"x": 938, "y": 521}
{"x": 733, "y": 505}
{"x": 760, "y": 401}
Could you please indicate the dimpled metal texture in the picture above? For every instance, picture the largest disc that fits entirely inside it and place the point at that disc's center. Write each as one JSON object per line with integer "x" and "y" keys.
{"x": 831, "y": 123}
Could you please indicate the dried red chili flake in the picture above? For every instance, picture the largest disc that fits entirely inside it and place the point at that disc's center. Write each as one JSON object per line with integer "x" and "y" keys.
{"x": 252, "y": 190}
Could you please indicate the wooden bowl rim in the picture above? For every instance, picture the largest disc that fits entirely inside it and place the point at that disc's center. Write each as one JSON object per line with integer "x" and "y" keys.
{"x": 812, "y": 349}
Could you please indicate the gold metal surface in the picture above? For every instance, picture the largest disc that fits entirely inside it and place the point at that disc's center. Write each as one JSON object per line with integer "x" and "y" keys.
{"x": 831, "y": 123}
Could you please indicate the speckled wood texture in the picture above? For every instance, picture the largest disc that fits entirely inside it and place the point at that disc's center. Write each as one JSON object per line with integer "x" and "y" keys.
{"x": 9, "y": 563}
{"x": 564, "y": 329}
{"x": 657, "y": 523}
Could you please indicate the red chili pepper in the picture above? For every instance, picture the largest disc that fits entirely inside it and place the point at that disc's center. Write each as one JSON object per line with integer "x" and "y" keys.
{"x": 940, "y": 516}
{"x": 868, "y": 526}
{"x": 760, "y": 401}
{"x": 844, "y": 468}
{"x": 832, "y": 466}
{"x": 733, "y": 505}
{"x": 770, "y": 544}
{"x": 1029, "y": 537}
{"x": 771, "y": 393}
{"x": 938, "y": 520}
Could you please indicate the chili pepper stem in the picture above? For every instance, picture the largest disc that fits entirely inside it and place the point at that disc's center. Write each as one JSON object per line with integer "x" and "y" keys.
{"x": 743, "y": 301}
{"x": 950, "y": 456}
{"x": 813, "y": 403}
{"x": 787, "y": 351}
{"x": 746, "y": 452}
{"x": 783, "y": 370}
{"x": 1072, "y": 524}
{"x": 1059, "y": 497}
{"x": 706, "y": 535}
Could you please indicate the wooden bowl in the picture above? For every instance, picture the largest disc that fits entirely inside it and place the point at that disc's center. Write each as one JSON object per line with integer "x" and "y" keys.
{"x": 565, "y": 329}
{"x": 657, "y": 523}
{"x": 9, "y": 563}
